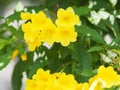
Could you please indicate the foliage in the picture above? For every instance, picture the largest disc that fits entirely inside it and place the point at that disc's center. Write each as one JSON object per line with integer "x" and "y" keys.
{"x": 99, "y": 19}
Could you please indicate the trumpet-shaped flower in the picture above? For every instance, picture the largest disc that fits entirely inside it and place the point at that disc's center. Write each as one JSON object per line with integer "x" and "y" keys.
{"x": 65, "y": 35}
{"x": 40, "y": 20}
{"x": 109, "y": 76}
{"x": 25, "y": 16}
{"x": 48, "y": 34}
{"x": 43, "y": 80}
{"x": 105, "y": 78}
{"x": 67, "y": 17}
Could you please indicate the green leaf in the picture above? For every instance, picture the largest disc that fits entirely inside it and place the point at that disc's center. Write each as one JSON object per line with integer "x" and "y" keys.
{"x": 91, "y": 33}
{"x": 14, "y": 16}
{"x": 102, "y": 26}
{"x": 20, "y": 67}
{"x": 114, "y": 27}
{"x": 95, "y": 48}
{"x": 87, "y": 72}
{"x": 39, "y": 63}
{"x": 83, "y": 10}
{"x": 3, "y": 25}
{"x": 83, "y": 60}
{"x": 3, "y": 42}
{"x": 4, "y": 60}
{"x": 64, "y": 51}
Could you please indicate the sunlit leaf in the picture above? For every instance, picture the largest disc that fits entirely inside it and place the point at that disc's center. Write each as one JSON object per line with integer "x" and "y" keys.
{"x": 3, "y": 42}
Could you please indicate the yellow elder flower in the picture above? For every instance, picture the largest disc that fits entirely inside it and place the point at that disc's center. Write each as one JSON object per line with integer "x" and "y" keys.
{"x": 30, "y": 27}
{"x": 25, "y": 16}
{"x": 24, "y": 57}
{"x": 66, "y": 82}
{"x": 109, "y": 76}
{"x": 14, "y": 54}
{"x": 105, "y": 78}
{"x": 32, "y": 45}
{"x": 67, "y": 17}
{"x": 40, "y": 20}
{"x": 96, "y": 83}
{"x": 65, "y": 35}
{"x": 48, "y": 33}
{"x": 31, "y": 35}
{"x": 43, "y": 80}
{"x": 82, "y": 86}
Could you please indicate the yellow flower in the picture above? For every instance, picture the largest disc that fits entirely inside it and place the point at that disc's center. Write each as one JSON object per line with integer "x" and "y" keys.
{"x": 105, "y": 78}
{"x": 14, "y": 54}
{"x": 40, "y": 20}
{"x": 82, "y": 86}
{"x": 66, "y": 82}
{"x": 25, "y": 15}
{"x": 96, "y": 83}
{"x": 32, "y": 45}
{"x": 109, "y": 76}
{"x": 67, "y": 17}
{"x": 31, "y": 35}
{"x": 43, "y": 80}
{"x": 65, "y": 35}
{"x": 24, "y": 57}
{"x": 48, "y": 33}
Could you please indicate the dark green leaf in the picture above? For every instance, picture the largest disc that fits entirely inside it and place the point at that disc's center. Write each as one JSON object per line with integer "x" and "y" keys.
{"x": 14, "y": 16}
{"x": 64, "y": 51}
{"x": 114, "y": 27}
{"x": 83, "y": 60}
{"x": 95, "y": 48}
{"x": 102, "y": 26}
{"x": 39, "y": 63}
{"x": 87, "y": 72}
{"x": 20, "y": 67}
{"x": 83, "y": 10}
{"x": 4, "y": 60}
{"x": 92, "y": 33}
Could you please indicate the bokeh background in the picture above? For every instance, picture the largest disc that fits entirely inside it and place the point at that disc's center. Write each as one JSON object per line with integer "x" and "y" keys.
{"x": 6, "y": 9}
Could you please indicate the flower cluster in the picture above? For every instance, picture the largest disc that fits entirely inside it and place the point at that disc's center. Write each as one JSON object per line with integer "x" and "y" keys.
{"x": 43, "y": 80}
{"x": 40, "y": 28}
{"x": 105, "y": 78}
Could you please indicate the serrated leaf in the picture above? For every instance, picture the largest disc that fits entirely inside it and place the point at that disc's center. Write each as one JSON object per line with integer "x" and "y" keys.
{"x": 4, "y": 60}
{"x": 91, "y": 33}
{"x": 83, "y": 10}
{"x": 20, "y": 67}
{"x": 95, "y": 48}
